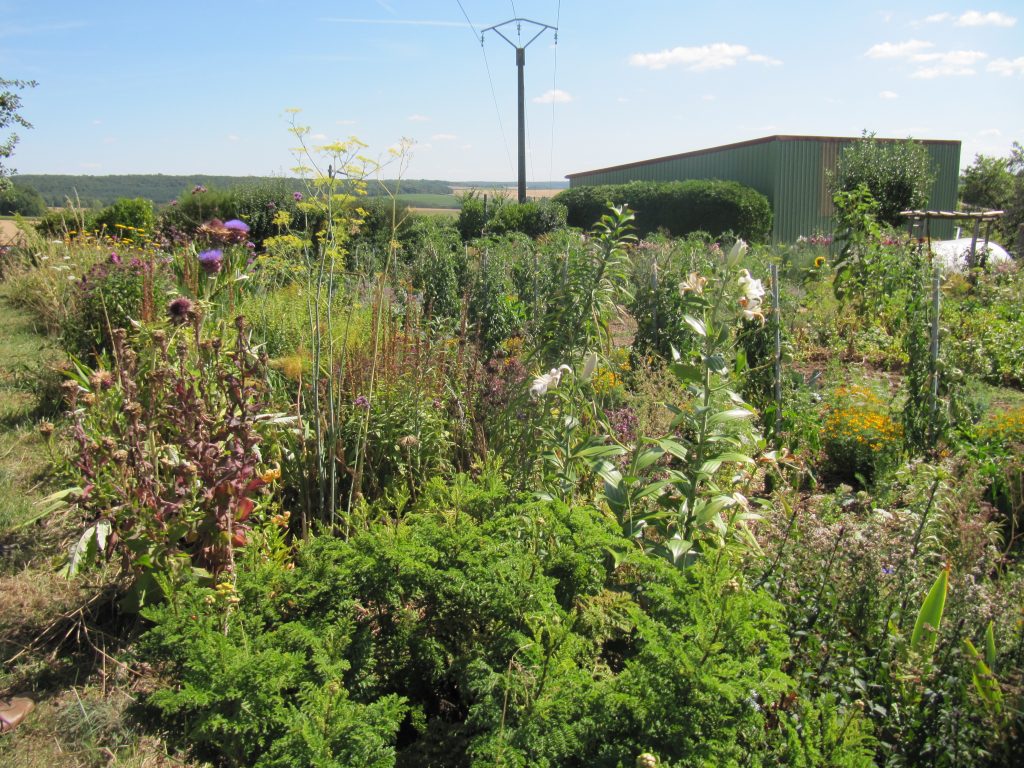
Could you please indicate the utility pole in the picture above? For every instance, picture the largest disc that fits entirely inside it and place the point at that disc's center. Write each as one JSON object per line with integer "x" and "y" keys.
{"x": 520, "y": 65}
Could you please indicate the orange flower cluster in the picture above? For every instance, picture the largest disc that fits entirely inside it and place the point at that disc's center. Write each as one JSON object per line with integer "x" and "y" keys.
{"x": 860, "y": 419}
{"x": 1006, "y": 426}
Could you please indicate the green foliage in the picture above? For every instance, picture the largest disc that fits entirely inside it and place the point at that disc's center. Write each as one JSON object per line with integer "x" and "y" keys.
{"x": 21, "y": 200}
{"x": 659, "y": 267}
{"x": 111, "y": 295}
{"x": 493, "y": 632}
{"x": 594, "y": 282}
{"x": 472, "y": 215}
{"x": 258, "y": 204}
{"x": 677, "y": 207}
{"x": 861, "y": 441}
{"x": 936, "y": 402}
{"x": 987, "y": 183}
{"x": 698, "y": 507}
{"x": 166, "y": 451}
{"x": 986, "y": 325}
{"x": 124, "y": 215}
{"x": 532, "y": 218}
{"x": 897, "y": 174}
{"x": 10, "y": 106}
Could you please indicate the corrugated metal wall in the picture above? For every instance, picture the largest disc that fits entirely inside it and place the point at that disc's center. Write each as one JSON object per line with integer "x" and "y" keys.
{"x": 790, "y": 171}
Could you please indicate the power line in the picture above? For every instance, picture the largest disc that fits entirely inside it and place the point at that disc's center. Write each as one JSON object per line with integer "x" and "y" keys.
{"x": 491, "y": 81}
{"x": 554, "y": 92}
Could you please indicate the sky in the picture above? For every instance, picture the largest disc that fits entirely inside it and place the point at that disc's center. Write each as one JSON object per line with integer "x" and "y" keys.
{"x": 206, "y": 87}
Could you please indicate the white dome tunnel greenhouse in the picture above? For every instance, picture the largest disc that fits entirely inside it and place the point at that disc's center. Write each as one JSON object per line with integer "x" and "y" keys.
{"x": 961, "y": 253}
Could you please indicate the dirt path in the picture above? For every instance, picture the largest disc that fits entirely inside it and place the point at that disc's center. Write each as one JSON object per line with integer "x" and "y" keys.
{"x": 9, "y": 232}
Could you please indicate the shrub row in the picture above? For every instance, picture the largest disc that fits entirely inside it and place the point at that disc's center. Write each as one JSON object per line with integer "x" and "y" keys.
{"x": 677, "y": 207}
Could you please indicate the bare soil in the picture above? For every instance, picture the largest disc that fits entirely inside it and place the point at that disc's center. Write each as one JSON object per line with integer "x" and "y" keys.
{"x": 9, "y": 233}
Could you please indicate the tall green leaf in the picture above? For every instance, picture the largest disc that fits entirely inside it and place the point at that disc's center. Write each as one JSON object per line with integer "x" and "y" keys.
{"x": 926, "y": 628}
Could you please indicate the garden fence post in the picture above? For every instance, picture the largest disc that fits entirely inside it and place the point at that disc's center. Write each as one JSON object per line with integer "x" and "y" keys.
{"x": 654, "y": 290}
{"x": 934, "y": 351}
{"x": 777, "y": 312}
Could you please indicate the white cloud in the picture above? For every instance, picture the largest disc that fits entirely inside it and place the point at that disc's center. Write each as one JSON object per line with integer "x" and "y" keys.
{"x": 443, "y": 137}
{"x": 759, "y": 58}
{"x": 417, "y": 118}
{"x": 1007, "y": 67}
{"x": 701, "y": 58}
{"x": 937, "y": 18}
{"x": 888, "y": 95}
{"x": 554, "y": 96}
{"x": 232, "y": 137}
{"x": 990, "y": 19}
{"x": 930, "y": 64}
{"x": 951, "y": 63}
{"x": 897, "y": 50}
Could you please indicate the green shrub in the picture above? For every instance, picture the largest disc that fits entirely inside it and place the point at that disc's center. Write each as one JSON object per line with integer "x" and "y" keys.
{"x": 109, "y": 296}
{"x": 125, "y": 217}
{"x": 478, "y": 631}
{"x": 677, "y": 207}
{"x": 256, "y": 204}
{"x": 897, "y": 174}
{"x": 532, "y": 218}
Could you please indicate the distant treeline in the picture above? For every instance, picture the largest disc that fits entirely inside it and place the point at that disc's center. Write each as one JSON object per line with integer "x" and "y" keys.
{"x": 99, "y": 191}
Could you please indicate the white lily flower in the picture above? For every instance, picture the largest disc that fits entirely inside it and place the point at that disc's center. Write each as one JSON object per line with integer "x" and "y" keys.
{"x": 547, "y": 381}
{"x": 751, "y": 294}
{"x": 738, "y": 249}
{"x": 589, "y": 365}
{"x": 694, "y": 283}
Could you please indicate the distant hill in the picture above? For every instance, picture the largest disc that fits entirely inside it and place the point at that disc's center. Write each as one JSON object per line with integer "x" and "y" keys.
{"x": 95, "y": 191}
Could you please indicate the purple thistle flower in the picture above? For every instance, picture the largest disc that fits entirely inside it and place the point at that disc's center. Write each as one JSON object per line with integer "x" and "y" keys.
{"x": 297, "y": 196}
{"x": 179, "y": 310}
{"x": 114, "y": 258}
{"x": 251, "y": 245}
{"x": 198, "y": 189}
{"x": 211, "y": 261}
{"x": 236, "y": 225}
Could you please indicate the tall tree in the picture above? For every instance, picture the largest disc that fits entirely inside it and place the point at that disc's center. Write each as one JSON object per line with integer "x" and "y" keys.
{"x": 898, "y": 174}
{"x": 987, "y": 182}
{"x": 10, "y": 103}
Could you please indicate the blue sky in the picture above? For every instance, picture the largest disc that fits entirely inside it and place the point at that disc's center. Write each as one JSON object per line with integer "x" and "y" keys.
{"x": 203, "y": 87}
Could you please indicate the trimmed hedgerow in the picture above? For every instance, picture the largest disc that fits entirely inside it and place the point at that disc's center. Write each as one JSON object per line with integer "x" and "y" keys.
{"x": 677, "y": 207}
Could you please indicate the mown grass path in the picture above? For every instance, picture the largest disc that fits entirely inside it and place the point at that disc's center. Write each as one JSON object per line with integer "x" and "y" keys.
{"x": 25, "y": 358}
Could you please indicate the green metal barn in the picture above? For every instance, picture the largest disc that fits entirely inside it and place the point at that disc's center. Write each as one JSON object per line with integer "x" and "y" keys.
{"x": 789, "y": 171}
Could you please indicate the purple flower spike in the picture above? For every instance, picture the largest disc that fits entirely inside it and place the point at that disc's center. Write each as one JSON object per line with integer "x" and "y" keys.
{"x": 362, "y": 402}
{"x": 211, "y": 261}
{"x": 236, "y": 225}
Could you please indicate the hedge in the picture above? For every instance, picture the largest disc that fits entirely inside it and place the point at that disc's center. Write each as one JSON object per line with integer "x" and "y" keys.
{"x": 677, "y": 207}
